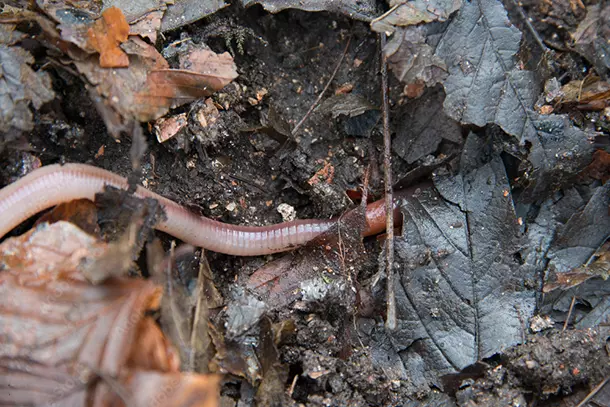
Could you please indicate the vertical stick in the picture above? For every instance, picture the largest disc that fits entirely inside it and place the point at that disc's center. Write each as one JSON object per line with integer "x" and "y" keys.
{"x": 390, "y": 322}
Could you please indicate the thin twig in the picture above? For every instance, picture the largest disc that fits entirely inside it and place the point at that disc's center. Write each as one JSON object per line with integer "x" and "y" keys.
{"x": 593, "y": 392}
{"x": 530, "y": 27}
{"x": 565, "y": 324}
{"x": 313, "y": 106}
{"x": 390, "y": 322}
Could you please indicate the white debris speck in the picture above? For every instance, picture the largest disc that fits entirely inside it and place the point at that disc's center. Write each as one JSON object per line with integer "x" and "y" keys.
{"x": 288, "y": 212}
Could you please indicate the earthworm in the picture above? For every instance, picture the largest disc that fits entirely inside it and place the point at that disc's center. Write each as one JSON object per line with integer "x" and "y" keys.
{"x": 53, "y": 184}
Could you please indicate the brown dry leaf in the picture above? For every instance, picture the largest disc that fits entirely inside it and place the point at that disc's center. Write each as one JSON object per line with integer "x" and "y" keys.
{"x": 147, "y": 26}
{"x": 590, "y": 93}
{"x": 599, "y": 268}
{"x": 599, "y": 167}
{"x": 106, "y": 35}
{"x": 219, "y": 67}
{"x": 68, "y": 342}
{"x": 167, "y": 127}
{"x": 170, "y": 88}
{"x": 233, "y": 357}
{"x": 148, "y": 88}
{"x": 81, "y": 212}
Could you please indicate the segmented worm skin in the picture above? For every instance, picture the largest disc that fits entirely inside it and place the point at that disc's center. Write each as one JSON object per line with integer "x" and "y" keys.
{"x": 53, "y": 184}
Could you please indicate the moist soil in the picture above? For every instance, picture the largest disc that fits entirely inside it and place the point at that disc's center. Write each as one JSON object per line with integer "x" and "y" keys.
{"x": 244, "y": 167}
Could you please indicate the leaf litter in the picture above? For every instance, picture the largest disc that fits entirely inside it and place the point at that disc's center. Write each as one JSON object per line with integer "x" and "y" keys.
{"x": 145, "y": 88}
{"x": 517, "y": 213}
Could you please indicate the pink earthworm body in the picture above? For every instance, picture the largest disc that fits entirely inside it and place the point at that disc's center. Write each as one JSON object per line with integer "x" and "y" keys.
{"x": 53, "y": 184}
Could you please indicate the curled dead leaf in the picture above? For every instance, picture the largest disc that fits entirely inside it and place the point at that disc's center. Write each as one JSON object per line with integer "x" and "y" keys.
{"x": 68, "y": 342}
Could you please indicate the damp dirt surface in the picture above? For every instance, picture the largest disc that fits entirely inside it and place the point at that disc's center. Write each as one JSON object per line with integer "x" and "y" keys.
{"x": 243, "y": 167}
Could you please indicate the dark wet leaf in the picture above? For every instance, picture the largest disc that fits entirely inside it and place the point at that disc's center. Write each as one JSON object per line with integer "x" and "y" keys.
{"x": 412, "y": 60}
{"x": 363, "y": 10}
{"x": 405, "y": 13}
{"x": 559, "y": 150}
{"x": 136, "y": 10}
{"x": 363, "y": 124}
{"x": 592, "y": 37}
{"x": 459, "y": 293}
{"x": 583, "y": 234}
{"x": 243, "y": 312}
{"x": 422, "y": 126}
{"x": 184, "y": 12}
{"x": 562, "y": 239}
{"x": 486, "y": 86}
{"x": 20, "y": 86}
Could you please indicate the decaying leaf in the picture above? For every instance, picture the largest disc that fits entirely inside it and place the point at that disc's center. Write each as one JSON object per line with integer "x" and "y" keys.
{"x": 184, "y": 312}
{"x": 412, "y": 60}
{"x": 590, "y": 93}
{"x": 486, "y": 86}
{"x": 271, "y": 391}
{"x": 599, "y": 167}
{"x": 406, "y": 13}
{"x": 349, "y": 104}
{"x": 592, "y": 36}
{"x": 290, "y": 278}
{"x": 167, "y": 127}
{"x": 20, "y": 85}
{"x": 106, "y": 35}
{"x": 68, "y": 342}
{"x": 147, "y": 88}
{"x": 233, "y": 357}
{"x": 363, "y": 10}
{"x": 75, "y": 18}
{"x": 600, "y": 268}
{"x": 81, "y": 212}
{"x": 183, "y": 12}
{"x": 134, "y": 11}
{"x": 585, "y": 231}
{"x": 562, "y": 239}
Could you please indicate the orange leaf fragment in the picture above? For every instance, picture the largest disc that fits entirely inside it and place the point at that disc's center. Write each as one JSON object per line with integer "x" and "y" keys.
{"x": 326, "y": 174}
{"x": 106, "y": 35}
